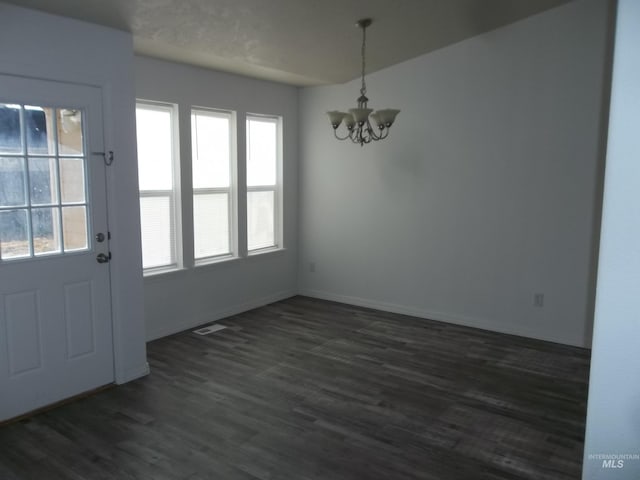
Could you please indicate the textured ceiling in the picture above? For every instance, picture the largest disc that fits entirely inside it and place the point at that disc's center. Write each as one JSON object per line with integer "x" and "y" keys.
{"x": 301, "y": 42}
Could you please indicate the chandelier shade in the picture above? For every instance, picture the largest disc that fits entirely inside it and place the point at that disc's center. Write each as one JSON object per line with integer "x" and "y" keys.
{"x": 358, "y": 120}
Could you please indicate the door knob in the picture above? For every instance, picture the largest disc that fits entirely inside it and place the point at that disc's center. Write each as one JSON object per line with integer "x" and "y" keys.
{"x": 102, "y": 258}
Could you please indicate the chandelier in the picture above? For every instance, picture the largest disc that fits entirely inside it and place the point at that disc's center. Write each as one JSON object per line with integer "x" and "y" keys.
{"x": 358, "y": 120}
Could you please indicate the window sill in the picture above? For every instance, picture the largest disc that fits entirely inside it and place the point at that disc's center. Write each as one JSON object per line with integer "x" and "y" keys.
{"x": 204, "y": 262}
{"x": 265, "y": 251}
{"x": 160, "y": 274}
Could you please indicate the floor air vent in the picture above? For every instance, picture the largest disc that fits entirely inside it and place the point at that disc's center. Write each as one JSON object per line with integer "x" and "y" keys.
{"x": 209, "y": 329}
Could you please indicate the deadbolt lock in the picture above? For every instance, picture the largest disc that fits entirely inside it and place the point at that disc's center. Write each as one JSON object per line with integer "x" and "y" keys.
{"x": 102, "y": 258}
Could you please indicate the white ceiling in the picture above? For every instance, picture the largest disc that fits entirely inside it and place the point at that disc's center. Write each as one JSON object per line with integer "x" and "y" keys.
{"x": 301, "y": 42}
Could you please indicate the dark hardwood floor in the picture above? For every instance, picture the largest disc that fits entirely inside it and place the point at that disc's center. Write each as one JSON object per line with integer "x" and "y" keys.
{"x": 306, "y": 389}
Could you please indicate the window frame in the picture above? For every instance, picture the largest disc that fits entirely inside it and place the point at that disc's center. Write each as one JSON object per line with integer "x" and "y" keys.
{"x": 174, "y": 195}
{"x": 231, "y": 190}
{"x": 276, "y": 189}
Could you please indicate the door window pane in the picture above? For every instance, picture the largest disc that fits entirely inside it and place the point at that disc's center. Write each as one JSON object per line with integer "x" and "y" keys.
{"x": 260, "y": 220}
{"x": 72, "y": 184}
{"x": 14, "y": 234}
{"x": 39, "y": 127}
{"x": 74, "y": 228}
{"x": 45, "y": 225}
{"x": 157, "y": 249}
{"x": 42, "y": 181}
{"x": 70, "y": 140}
{"x": 211, "y": 224}
{"x": 10, "y": 132}
{"x": 12, "y": 182}
{"x": 261, "y": 151}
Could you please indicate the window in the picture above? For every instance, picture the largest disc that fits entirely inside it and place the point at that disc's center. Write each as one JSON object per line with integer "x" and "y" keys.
{"x": 212, "y": 168}
{"x": 157, "y": 173}
{"x": 213, "y": 180}
{"x": 263, "y": 183}
{"x": 43, "y": 197}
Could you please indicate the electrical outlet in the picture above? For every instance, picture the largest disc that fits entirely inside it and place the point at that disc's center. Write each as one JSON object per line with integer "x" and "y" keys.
{"x": 312, "y": 267}
{"x": 538, "y": 300}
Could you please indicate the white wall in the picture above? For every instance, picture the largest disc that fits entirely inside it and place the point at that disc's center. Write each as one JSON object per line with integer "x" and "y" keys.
{"x": 186, "y": 298}
{"x": 613, "y": 417}
{"x": 484, "y": 194}
{"x": 50, "y": 47}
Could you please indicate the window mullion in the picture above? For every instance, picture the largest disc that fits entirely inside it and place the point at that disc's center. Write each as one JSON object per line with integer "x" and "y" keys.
{"x": 27, "y": 180}
{"x": 262, "y": 188}
{"x": 56, "y": 160}
{"x": 155, "y": 193}
{"x": 204, "y": 191}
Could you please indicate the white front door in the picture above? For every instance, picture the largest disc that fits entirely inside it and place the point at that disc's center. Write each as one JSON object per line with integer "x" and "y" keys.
{"x": 55, "y": 305}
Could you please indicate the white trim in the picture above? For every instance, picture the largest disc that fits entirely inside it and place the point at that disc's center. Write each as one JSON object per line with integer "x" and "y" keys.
{"x": 188, "y": 324}
{"x": 474, "y": 322}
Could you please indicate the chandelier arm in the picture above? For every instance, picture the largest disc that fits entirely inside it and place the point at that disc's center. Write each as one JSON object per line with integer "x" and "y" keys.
{"x": 384, "y": 133}
{"x": 372, "y": 132}
{"x": 335, "y": 133}
{"x": 358, "y": 137}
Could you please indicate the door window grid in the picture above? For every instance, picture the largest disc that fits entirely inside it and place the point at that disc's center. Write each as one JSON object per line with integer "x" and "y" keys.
{"x": 43, "y": 194}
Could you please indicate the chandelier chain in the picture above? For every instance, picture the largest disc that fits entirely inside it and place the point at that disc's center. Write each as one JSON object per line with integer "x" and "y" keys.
{"x": 363, "y": 89}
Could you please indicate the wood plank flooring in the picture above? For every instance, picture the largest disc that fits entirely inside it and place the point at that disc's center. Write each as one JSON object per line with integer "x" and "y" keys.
{"x": 306, "y": 389}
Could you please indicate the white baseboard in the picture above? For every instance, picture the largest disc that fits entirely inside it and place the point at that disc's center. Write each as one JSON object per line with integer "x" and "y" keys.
{"x": 218, "y": 314}
{"x": 466, "y": 321}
